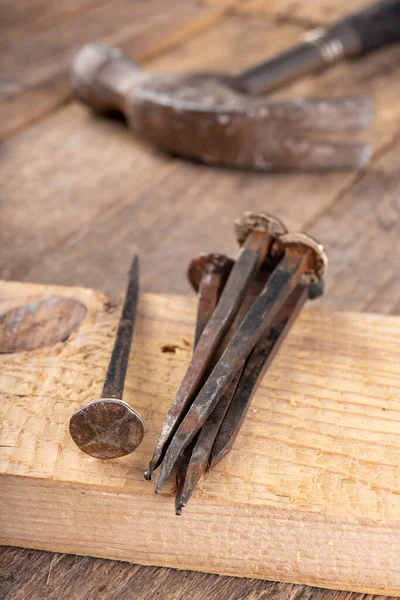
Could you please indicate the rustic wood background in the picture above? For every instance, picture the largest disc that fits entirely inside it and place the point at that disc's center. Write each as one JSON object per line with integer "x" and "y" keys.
{"x": 79, "y": 194}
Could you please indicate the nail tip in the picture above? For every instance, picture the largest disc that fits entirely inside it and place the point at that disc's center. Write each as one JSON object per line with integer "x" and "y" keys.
{"x": 158, "y": 486}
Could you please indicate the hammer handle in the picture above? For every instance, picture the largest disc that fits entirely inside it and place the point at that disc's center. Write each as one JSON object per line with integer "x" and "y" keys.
{"x": 360, "y": 33}
{"x": 377, "y": 26}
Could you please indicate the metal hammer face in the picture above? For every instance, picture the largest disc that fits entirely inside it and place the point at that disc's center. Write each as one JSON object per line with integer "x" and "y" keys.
{"x": 208, "y": 117}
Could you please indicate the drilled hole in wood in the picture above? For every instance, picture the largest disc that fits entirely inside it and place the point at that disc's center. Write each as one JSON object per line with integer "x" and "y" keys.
{"x": 40, "y": 323}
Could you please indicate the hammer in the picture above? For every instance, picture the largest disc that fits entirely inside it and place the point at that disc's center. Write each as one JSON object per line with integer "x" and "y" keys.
{"x": 219, "y": 119}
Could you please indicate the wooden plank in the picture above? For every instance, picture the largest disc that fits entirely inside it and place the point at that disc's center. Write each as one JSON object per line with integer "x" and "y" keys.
{"x": 31, "y": 574}
{"x": 63, "y": 576}
{"x": 100, "y": 168}
{"x": 317, "y": 457}
{"x": 34, "y": 71}
{"x": 181, "y": 215}
{"x": 27, "y": 16}
{"x": 85, "y": 139}
{"x": 165, "y": 204}
{"x": 361, "y": 233}
{"x": 311, "y": 12}
{"x": 25, "y": 573}
{"x": 65, "y": 186}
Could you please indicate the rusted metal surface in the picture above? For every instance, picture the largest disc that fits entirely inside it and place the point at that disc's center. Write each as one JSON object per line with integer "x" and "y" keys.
{"x": 39, "y": 324}
{"x": 115, "y": 378}
{"x": 238, "y": 335}
{"x": 211, "y": 117}
{"x": 196, "y": 461}
{"x": 199, "y": 455}
{"x": 301, "y": 263}
{"x": 106, "y": 428}
{"x": 207, "y": 274}
{"x": 253, "y": 253}
{"x": 255, "y": 369}
{"x": 110, "y": 428}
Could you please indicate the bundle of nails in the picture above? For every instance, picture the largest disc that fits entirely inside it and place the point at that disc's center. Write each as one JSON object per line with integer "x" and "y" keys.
{"x": 245, "y": 310}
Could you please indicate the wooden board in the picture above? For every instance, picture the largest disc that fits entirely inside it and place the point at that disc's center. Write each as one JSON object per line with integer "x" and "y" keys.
{"x": 102, "y": 179}
{"x": 310, "y": 492}
{"x": 72, "y": 181}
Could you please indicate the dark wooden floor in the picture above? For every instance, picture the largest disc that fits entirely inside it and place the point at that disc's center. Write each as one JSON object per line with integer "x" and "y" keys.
{"x": 79, "y": 194}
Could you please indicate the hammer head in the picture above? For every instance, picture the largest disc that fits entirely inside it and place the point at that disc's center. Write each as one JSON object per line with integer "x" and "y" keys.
{"x": 207, "y": 117}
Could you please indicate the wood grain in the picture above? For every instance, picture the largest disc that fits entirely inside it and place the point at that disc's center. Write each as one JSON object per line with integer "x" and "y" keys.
{"x": 63, "y": 576}
{"x": 317, "y": 457}
{"x": 361, "y": 232}
{"x": 132, "y": 183}
{"x": 34, "y": 69}
{"x": 310, "y": 12}
{"x": 87, "y": 184}
{"x": 25, "y": 17}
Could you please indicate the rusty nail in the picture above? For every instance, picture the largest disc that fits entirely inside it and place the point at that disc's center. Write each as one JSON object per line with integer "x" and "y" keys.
{"x": 207, "y": 274}
{"x": 304, "y": 262}
{"x": 258, "y": 231}
{"x": 196, "y": 462}
{"x": 255, "y": 369}
{"x": 110, "y": 428}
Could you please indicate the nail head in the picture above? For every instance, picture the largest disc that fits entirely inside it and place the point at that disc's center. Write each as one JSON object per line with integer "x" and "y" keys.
{"x": 250, "y": 221}
{"x": 211, "y": 263}
{"x": 318, "y": 261}
{"x": 106, "y": 428}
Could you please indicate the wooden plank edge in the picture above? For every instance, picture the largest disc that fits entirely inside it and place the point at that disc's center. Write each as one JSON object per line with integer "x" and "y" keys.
{"x": 85, "y": 520}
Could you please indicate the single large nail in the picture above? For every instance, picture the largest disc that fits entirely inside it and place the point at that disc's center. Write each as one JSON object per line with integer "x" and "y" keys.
{"x": 110, "y": 428}
{"x": 258, "y": 231}
{"x": 196, "y": 462}
{"x": 207, "y": 274}
{"x": 303, "y": 262}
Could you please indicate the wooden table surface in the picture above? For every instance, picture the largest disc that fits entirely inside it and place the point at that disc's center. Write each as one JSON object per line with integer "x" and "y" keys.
{"x": 79, "y": 195}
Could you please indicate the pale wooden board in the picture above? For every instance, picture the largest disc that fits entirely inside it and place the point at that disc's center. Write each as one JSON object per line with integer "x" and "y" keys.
{"x": 22, "y": 18}
{"x": 310, "y": 492}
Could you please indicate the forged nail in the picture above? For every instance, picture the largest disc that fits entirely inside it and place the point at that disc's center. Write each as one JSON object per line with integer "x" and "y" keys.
{"x": 258, "y": 231}
{"x": 256, "y": 366}
{"x": 207, "y": 274}
{"x": 200, "y": 450}
{"x": 303, "y": 262}
{"x": 181, "y": 472}
{"x": 197, "y": 460}
{"x": 110, "y": 428}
